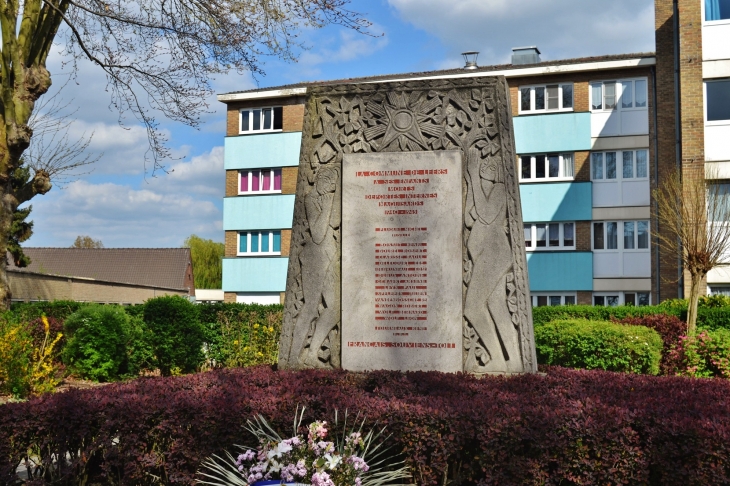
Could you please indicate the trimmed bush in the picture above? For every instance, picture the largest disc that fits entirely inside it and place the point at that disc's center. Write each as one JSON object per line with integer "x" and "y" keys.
{"x": 176, "y": 335}
{"x": 545, "y": 314}
{"x": 601, "y": 345}
{"x": 97, "y": 338}
{"x": 57, "y": 309}
{"x": 564, "y": 427}
{"x": 670, "y": 328}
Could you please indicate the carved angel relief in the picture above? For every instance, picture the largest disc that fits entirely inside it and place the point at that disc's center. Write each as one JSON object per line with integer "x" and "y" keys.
{"x": 470, "y": 115}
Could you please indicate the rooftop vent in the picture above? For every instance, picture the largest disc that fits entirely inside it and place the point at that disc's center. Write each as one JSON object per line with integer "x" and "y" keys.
{"x": 470, "y": 59}
{"x": 525, "y": 55}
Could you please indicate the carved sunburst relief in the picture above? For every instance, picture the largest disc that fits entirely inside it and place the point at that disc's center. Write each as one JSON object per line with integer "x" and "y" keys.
{"x": 470, "y": 115}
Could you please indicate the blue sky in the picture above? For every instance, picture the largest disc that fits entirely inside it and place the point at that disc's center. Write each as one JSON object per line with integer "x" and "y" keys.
{"x": 124, "y": 205}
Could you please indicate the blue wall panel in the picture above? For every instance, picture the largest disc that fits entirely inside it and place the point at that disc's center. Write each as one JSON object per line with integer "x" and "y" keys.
{"x": 559, "y": 132}
{"x": 556, "y": 201}
{"x": 254, "y": 274}
{"x": 258, "y": 212}
{"x": 560, "y": 271}
{"x": 279, "y": 149}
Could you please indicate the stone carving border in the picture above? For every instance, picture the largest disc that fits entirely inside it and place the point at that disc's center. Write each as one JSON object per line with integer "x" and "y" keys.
{"x": 473, "y": 115}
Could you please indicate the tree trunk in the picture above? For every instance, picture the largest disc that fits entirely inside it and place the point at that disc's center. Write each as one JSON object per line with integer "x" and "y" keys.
{"x": 6, "y": 220}
{"x": 694, "y": 295}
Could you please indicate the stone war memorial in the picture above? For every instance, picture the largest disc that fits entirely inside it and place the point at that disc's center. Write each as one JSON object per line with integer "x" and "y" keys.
{"x": 407, "y": 248}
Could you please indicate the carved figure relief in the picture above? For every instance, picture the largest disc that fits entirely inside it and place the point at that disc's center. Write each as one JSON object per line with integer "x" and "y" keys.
{"x": 472, "y": 115}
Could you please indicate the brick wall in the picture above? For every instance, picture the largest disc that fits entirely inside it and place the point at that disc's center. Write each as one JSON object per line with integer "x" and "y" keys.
{"x": 583, "y": 236}
{"x": 293, "y": 113}
{"x": 582, "y": 166}
{"x": 665, "y": 131}
{"x": 692, "y": 114}
{"x": 231, "y": 183}
{"x": 585, "y": 298}
{"x": 229, "y": 297}
{"x": 231, "y": 242}
{"x": 289, "y": 180}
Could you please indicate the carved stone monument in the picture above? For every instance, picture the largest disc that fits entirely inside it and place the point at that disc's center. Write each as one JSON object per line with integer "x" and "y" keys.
{"x": 407, "y": 250}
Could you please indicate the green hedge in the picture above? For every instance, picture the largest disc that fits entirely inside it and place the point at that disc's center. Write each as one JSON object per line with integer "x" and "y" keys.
{"x": 585, "y": 344}
{"x": 707, "y": 317}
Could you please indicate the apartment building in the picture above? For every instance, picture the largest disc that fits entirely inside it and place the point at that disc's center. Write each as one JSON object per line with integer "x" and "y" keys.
{"x": 587, "y": 160}
{"x": 693, "y": 69}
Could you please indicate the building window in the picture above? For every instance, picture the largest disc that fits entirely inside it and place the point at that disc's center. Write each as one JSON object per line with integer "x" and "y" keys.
{"x": 261, "y": 119}
{"x": 622, "y": 165}
{"x": 719, "y": 290}
{"x": 550, "y": 167}
{"x": 623, "y": 95}
{"x": 552, "y": 298}
{"x": 621, "y": 235}
{"x": 549, "y": 236}
{"x": 551, "y": 97}
{"x": 717, "y": 10}
{"x": 717, "y": 100}
{"x": 259, "y": 243}
{"x": 259, "y": 181}
{"x": 613, "y": 299}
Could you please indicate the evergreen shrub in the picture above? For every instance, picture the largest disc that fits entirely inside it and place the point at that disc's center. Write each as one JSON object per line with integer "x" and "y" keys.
{"x": 580, "y": 343}
{"x": 96, "y": 342}
{"x": 175, "y": 334}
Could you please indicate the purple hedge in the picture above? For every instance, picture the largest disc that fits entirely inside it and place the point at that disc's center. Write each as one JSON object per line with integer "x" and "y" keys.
{"x": 565, "y": 427}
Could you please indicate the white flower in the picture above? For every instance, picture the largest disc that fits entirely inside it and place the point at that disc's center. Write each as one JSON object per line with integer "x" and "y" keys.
{"x": 332, "y": 461}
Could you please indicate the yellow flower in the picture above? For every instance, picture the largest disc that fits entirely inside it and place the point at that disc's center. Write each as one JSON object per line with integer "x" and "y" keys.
{"x": 45, "y": 323}
{"x": 235, "y": 343}
{"x": 271, "y": 329}
{"x": 255, "y": 326}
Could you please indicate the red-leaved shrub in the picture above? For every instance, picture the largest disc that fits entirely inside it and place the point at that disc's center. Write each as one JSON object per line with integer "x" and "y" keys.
{"x": 670, "y": 328}
{"x": 564, "y": 427}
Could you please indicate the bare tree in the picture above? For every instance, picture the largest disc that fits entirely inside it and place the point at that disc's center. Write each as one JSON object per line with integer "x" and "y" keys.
{"x": 157, "y": 55}
{"x": 86, "y": 242}
{"x": 52, "y": 149}
{"x": 694, "y": 216}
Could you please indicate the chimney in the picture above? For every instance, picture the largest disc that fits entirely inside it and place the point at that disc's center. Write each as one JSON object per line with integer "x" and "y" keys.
{"x": 525, "y": 55}
{"x": 470, "y": 59}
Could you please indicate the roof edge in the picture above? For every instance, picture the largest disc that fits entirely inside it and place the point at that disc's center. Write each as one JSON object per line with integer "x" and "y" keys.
{"x": 580, "y": 65}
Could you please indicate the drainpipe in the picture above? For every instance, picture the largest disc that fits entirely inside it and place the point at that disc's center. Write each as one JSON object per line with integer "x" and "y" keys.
{"x": 656, "y": 185}
{"x": 677, "y": 127}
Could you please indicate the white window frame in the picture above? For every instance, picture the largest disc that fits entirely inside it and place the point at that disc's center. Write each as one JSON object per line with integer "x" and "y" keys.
{"x": 561, "y": 295}
{"x": 619, "y": 166}
{"x": 547, "y": 178}
{"x": 620, "y": 236}
{"x": 618, "y": 92}
{"x": 532, "y": 110}
{"x": 257, "y": 234}
{"x": 250, "y": 130}
{"x": 621, "y": 297}
{"x": 711, "y": 22}
{"x": 561, "y": 247}
{"x": 714, "y": 123}
{"x": 261, "y": 181}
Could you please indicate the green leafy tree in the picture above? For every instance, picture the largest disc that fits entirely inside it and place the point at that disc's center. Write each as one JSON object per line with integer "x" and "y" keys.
{"x": 157, "y": 55}
{"x": 207, "y": 256}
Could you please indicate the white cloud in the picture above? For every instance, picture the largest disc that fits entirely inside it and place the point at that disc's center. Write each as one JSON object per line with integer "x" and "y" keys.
{"x": 202, "y": 175}
{"x": 560, "y": 28}
{"x": 122, "y": 216}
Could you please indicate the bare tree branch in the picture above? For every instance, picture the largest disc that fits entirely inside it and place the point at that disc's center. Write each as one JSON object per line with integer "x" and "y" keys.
{"x": 694, "y": 214}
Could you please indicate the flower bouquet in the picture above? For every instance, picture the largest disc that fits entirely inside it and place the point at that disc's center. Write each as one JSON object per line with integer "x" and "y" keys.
{"x": 353, "y": 458}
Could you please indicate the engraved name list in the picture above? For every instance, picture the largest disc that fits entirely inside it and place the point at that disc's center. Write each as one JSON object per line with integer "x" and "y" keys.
{"x": 401, "y": 261}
